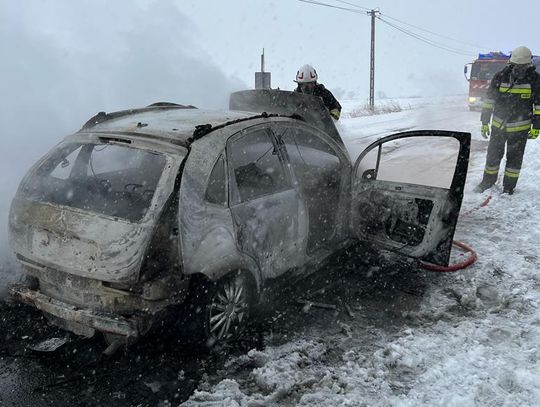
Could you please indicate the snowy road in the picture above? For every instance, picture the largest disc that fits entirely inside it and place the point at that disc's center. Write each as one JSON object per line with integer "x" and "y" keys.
{"x": 416, "y": 339}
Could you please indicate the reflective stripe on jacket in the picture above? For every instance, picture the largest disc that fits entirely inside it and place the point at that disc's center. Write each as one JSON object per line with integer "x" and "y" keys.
{"x": 513, "y": 102}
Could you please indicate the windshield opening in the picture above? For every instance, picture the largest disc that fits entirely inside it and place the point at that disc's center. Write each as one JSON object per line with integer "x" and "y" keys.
{"x": 486, "y": 70}
{"x": 107, "y": 179}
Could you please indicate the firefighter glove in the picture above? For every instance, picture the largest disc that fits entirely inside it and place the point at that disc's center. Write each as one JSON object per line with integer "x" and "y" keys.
{"x": 485, "y": 130}
{"x": 335, "y": 113}
{"x": 533, "y": 134}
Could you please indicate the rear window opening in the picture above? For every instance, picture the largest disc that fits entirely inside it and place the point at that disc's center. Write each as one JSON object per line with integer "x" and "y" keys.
{"x": 108, "y": 179}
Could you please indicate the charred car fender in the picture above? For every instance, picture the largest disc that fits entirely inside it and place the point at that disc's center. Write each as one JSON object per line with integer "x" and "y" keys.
{"x": 218, "y": 255}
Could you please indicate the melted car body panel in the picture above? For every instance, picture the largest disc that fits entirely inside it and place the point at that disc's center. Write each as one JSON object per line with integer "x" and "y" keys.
{"x": 208, "y": 241}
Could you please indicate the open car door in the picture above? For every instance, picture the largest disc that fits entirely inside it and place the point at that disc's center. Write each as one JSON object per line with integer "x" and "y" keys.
{"x": 407, "y": 191}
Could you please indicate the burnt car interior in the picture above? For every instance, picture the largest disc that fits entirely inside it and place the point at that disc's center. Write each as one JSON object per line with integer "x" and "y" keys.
{"x": 402, "y": 219}
{"x": 257, "y": 167}
{"x": 108, "y": 179}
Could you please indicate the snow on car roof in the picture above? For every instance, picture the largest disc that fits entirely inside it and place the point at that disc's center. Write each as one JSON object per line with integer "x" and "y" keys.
{"x": 176, "y": 123}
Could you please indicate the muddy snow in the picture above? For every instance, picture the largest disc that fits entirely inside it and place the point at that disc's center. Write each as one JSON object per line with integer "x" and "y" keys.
{"x": 473, "y": 339}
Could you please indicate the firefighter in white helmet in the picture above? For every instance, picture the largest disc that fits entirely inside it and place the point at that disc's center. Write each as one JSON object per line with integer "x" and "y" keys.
{"x": 306, "y": 78}
{"x": 513, "y": 106}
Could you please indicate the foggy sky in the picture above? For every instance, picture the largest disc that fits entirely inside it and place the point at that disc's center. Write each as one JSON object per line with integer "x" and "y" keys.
{"x": 62, "y": 61}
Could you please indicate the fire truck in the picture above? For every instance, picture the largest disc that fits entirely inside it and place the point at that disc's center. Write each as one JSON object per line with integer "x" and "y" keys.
{"x": 480, "y": 72}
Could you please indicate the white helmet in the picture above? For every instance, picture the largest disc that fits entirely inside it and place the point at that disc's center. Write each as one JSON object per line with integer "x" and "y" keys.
{"x": 305, "y": 74}
{"x": 521, "y": 56}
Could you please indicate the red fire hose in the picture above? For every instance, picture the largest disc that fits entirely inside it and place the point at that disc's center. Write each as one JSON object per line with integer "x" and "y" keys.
{"x": 456, "y": 266}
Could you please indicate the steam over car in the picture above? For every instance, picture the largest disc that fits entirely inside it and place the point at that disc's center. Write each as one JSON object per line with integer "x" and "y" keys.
{"x": 145, "y": 209}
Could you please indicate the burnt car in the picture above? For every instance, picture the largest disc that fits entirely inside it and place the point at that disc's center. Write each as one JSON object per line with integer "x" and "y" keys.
{"x": 145, "y": 209}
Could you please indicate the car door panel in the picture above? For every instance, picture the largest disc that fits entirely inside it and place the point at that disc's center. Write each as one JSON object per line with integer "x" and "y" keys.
{"x": 267, "y": 230}
{"x": 415, "y": 220}
{"x": 267, "y": 211}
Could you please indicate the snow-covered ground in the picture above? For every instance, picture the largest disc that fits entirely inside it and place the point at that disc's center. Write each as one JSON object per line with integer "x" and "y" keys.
{"x": 474, "y": 339}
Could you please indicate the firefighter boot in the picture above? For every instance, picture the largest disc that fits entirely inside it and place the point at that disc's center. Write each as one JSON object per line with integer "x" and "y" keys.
{"x": 508, "y": 185}
{"x": 487, "y": 182}
{"x": 508, "y": 190}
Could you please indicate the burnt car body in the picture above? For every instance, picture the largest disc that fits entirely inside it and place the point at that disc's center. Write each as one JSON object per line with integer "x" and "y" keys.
{"x": 145, "y": 209}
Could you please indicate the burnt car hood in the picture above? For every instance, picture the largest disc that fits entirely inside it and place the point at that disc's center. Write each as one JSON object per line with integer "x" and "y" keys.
{"x": 67, "y": 239}
{"x": 273, "y": 101}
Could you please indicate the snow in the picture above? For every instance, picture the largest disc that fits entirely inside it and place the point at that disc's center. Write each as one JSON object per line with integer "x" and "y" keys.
{"x": 474, "y": 338}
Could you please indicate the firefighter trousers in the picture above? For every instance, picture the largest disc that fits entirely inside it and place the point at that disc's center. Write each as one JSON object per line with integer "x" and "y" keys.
{"x": 515, "y": 148}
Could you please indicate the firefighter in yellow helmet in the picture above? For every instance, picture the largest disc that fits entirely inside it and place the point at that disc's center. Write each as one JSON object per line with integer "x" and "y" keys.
{"x": 306, "y": 78}
{"x": 513, "y": 106}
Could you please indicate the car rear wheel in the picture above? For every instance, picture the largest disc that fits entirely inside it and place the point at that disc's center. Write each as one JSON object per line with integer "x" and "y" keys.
{"x": 228, "y": 308}
{"x": 218, "y": 311}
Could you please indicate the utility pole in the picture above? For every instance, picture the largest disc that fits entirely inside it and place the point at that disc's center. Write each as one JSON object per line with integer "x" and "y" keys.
{"x": 373, "y": 13}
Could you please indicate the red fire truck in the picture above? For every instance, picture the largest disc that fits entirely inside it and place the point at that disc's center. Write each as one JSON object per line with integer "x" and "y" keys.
{"x": 480, "y": 72}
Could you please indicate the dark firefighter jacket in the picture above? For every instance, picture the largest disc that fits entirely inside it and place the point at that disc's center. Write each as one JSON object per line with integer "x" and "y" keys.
{"x": 514, "y": 102}
{"x": 329, "y": 100}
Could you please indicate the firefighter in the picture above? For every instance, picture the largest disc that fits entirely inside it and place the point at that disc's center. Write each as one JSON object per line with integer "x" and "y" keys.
{"x": 306, "y": 78}
{"x": 513, "y": 106}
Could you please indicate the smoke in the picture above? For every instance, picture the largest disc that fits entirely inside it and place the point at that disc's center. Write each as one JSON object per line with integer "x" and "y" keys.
{"x": 64, "y": 61}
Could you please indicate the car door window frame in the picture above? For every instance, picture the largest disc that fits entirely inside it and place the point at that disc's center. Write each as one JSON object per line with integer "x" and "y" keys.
{"x": 234, "y": 193}
{"x": 325, "y": 145}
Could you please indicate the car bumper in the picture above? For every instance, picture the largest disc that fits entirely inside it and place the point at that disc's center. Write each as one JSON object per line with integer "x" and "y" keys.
{"x": 80, "y": 321}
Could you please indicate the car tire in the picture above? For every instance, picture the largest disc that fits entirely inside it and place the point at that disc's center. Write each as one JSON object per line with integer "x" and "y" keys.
{"x": 222, "y": 308}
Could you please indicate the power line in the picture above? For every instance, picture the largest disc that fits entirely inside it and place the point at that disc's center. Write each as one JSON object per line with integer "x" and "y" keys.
{"x": 331, "y": 6}
{"x": 406, "y": 31}
{"x": 352, "y": 4}
{"x": 476, "y": 46}
{"x": 427, "y": 40}
{"x": 375, "y": 13}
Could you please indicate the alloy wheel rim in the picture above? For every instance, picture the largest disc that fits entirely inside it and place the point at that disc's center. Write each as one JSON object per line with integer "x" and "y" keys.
{"x": 228, "y": 310}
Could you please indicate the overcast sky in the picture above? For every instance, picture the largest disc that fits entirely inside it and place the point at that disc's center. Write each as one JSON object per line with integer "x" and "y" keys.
{"x": 337, "y": 43}
{"x": 63, "y": 60}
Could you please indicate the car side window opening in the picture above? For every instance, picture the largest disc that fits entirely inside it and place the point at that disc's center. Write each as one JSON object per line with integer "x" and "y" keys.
{"x": 256, "y": 165}
{"x": 318, "y": 170}
{"x": 425, "y": 162}
{"x": 107, "y": 179}
{"x": 216, "y": 190}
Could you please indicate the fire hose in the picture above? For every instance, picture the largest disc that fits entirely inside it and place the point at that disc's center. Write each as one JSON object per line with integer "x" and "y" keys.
{"x": 456, "y": 266}
{"x": 472, "y": 256}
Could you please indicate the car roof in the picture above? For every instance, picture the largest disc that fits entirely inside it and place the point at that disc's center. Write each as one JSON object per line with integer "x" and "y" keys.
{"x": 174, "y": 123}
